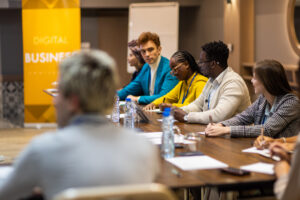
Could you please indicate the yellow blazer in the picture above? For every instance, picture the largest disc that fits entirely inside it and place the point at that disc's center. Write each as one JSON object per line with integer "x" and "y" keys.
{"x": 177, "y": 94}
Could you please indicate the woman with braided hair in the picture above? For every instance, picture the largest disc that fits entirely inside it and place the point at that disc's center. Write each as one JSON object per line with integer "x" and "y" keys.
{"x": 190, "y": 86}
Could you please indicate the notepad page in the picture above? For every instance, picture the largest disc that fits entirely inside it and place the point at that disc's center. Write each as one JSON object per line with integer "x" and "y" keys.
{"x": 196, "y": 162}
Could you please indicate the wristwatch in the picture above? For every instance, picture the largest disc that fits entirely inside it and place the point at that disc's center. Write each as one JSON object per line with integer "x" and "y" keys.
{"x": 185, "y": 118}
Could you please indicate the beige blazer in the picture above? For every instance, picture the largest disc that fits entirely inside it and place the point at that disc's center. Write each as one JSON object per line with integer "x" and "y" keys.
{"x": 230, "y": 96}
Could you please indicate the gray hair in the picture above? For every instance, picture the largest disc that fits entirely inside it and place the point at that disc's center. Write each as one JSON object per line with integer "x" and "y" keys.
{"x": 91, "y": 76}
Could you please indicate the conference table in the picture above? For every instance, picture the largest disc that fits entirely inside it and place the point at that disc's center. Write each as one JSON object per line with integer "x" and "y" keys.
{"x": 224, "y": 149}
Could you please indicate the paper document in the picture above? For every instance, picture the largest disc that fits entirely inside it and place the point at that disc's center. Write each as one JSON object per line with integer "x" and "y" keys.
{"x": 196, "y": 162}
{"x": 121, "y": 103}
{"x": 160, "y": 120}
{"x": 5, "y": 171}
{"x": 154, "y": 110}
{"x": 260, "y": 167}
{"x": 263, "y": 152}
{"x": 121, "y": 116}
{"x": 155, "y": 138}
{"x": 151, "y": 135}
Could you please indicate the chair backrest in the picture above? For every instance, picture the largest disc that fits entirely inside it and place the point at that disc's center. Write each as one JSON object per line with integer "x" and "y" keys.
{"x": 151, "y": 191}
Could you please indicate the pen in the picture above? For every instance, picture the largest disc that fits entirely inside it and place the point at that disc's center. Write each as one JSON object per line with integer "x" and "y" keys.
{"x": 262, "y": 141}
{"x": 176, "y": 172}
{"x": 262, "y": 134}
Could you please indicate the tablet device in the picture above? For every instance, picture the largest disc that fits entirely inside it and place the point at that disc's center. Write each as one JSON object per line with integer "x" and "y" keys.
{"x": 141, "y": 114}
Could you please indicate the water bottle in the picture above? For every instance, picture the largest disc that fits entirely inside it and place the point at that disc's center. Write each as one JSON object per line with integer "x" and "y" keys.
{"x": 115, "y": 115}
{"x": 129, "y": 114}
{"x": 167, "y": 141}
{"x": 135, "y": 115}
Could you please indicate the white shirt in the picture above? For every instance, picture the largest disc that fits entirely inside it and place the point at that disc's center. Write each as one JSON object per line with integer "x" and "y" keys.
{"x": 153, "y": 67}
{"x": 214, "y": 86}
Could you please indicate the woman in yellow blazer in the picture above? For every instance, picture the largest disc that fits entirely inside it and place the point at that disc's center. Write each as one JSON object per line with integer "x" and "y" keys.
{"x": 190, "y": 86}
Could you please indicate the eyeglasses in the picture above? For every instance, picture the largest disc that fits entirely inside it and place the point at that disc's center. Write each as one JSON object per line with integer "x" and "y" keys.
{"x": 175, "y": 69}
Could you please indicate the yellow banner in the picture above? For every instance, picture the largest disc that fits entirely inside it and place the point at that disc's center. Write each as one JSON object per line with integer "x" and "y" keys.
{"x": 51, "y": 32}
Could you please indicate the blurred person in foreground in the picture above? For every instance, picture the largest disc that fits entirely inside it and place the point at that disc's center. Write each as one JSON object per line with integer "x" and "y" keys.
{"x": 190, "y": 86}
{"x": 155, "y": 79}
{"x": 86, "y": 150}
{"x": 276, "y": 110}
{"x": 225, "y": 93}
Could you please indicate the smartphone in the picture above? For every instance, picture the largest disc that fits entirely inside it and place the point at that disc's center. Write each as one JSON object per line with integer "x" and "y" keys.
{"x": 191, "y": 153}
{"x": 235, "y": 171}
{"x": 179, "y": 146}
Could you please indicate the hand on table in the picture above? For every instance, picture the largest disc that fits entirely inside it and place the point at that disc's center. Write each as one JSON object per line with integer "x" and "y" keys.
{"x": 162, "y": 106}
{"x": 279, "y": 149}
{"x": 179, "y": 114}
{"x": 150, "y": 106}
{"x": 281, "y": 168}
{"x": 263, "y": 142}
{"x": 214, "y": 130}
{"x": 133, "y": 98}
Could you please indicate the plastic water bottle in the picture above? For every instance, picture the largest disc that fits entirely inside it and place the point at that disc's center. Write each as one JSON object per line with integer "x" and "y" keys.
{"x": 115, "y": 115}
{"x": 129, "y": 114}
{"x": 135, "y": 115}
{"x": 167, "y": 140}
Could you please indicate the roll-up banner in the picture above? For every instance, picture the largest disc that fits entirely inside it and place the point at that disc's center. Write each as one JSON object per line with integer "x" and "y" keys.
{"x": 51, "y": 32}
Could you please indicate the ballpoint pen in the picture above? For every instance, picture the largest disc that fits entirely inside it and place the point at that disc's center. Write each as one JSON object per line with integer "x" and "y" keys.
{"x": 262, "y": 140}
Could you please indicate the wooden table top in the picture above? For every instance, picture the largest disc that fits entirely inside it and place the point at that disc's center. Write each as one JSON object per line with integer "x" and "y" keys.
{"x": 13, "y": 141}
{"x": 227, "y": 150}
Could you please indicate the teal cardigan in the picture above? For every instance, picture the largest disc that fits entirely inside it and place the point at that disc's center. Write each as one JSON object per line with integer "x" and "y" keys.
{"x": 164, "y": 82}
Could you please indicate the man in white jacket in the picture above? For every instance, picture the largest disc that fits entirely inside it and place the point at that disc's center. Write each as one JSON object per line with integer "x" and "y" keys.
{"x": 87, "y": 150}
{"x": 224, "y": 95}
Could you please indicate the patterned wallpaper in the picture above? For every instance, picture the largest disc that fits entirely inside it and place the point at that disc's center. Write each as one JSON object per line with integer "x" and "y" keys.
{"x": 12, "y": 104}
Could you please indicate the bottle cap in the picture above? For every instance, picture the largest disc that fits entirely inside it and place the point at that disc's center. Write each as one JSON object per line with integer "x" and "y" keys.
{"x": 167, "y": 109}
{"x": 128, "y": 99}
{"x": 166, "y": 113}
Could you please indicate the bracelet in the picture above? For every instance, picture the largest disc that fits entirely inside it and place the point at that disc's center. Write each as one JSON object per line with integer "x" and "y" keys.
{"x": 284, "y": 140}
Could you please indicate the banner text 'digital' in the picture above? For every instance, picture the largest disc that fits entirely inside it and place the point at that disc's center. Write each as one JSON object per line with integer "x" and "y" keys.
{"x": 49, "y": 36}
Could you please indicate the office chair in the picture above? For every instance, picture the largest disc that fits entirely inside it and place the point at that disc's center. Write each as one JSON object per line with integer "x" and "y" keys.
{"x": 151, "y": 191}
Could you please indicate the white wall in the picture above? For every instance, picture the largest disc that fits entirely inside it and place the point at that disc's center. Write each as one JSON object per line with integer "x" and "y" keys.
{"x": 160, "y": 18}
